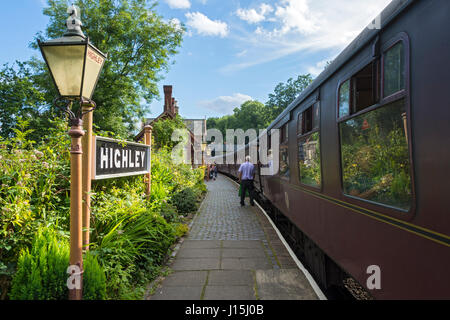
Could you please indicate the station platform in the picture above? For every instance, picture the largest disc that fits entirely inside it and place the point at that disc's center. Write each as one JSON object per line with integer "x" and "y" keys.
{"x": 233, "y": 253}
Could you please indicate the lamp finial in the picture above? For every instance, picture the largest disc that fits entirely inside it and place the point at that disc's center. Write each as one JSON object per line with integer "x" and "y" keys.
{"x": 74, "y": 23}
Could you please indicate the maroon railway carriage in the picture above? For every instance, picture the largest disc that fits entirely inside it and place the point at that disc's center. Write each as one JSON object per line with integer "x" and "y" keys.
{"x": 365, "y": 159}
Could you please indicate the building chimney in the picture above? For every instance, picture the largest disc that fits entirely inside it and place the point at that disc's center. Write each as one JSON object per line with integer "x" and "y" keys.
{"x": 168, "y": 98}
{"x": 175, "y": 107}
{"x": 172, "y": 106}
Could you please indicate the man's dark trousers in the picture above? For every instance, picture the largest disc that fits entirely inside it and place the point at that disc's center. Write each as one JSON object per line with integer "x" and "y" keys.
{"x": 247, "y": 185}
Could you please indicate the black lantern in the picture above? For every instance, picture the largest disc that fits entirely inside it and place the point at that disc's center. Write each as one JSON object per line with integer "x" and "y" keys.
{"x": 74, "y": 63}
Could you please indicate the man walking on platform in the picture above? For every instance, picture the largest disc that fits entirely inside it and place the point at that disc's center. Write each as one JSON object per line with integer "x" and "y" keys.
{"x": 246, "y": 177}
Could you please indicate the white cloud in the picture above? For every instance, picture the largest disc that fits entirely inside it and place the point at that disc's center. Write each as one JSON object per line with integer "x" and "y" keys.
{"x": 205, "y": 26}
{"x": 176, "y": 23}
{"x": 299, "y": 26}
{"x": 225, "y": 104}
{"x": 254, "y": 15}
{"x": 179, "y": 4}
{"x": 241, "y": 53}
{"x": 295, "y": 15}
{"x": 317, "y": 69}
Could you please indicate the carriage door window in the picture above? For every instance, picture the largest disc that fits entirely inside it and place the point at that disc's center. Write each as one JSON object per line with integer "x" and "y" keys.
{"x": 394, "y": 70}
{"x": 284, "y": 153}
{"x": 309, "y": 147}
{"x": 344, "y": 99}
{"x": 374, "y": 144}
{"x": 363, "y": 89}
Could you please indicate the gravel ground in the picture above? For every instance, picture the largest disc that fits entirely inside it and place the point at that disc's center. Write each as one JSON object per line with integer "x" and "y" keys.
{"x": 357, "y": 290}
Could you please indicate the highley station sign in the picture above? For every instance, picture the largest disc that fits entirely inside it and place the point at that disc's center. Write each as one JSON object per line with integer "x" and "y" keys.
{"x": 115, "y": 158}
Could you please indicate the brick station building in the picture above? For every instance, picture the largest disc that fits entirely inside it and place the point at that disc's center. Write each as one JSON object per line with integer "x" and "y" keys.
{"x": 171, "y": 109}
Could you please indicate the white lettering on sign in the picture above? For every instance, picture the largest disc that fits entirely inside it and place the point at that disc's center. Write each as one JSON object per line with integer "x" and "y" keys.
{"x": 115, "y": 158}
{"x": 130, "y": 160}
{"x": 104, "y": 158}
{"x": 124, "y": 158}
{"x": 94, "y": 56}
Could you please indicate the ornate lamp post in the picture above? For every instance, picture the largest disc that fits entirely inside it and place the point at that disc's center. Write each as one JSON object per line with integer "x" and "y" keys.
{"x": 75, "y": 66}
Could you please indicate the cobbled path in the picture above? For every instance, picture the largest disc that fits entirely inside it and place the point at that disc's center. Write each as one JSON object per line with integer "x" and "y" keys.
{"x": 222, "y": 218}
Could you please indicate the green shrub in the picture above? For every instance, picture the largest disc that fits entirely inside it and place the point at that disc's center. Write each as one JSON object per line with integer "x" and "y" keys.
{"x": 185, "y": 200}
{"x": 169, "y": 212}
{"x": 128, "y": 238}
{"x": 33, "y": 191}
{"x": 94, "y": 279}
{"x": 42, "y": 272}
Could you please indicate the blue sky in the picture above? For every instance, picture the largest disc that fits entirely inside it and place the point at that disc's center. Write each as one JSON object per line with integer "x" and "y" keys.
{"x": 232, "y": 51}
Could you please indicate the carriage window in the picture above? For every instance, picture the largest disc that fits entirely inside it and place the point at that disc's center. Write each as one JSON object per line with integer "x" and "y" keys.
{"x": 284, "y": 161}
{"x": 300, "y": 123}
{"x": 363, "y": 89}
{"x": 360, "y": 91}
{"x": 394, "y": 70}
{"x": 344, "y": 99}
{"x": 375, "y": 156}
{"x": 315, "y": 116}
{"x": 309, "y": 148}
{"x": 309, "y": 160}
{"x": 284, "y": 133}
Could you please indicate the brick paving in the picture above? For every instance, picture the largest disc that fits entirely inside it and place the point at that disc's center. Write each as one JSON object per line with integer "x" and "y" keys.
{"x": 232, "y": 253}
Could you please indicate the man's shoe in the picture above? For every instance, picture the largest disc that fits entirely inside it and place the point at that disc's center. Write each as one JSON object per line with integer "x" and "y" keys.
{"x": 252, "y": 204}
{"x": 242, "y": 204}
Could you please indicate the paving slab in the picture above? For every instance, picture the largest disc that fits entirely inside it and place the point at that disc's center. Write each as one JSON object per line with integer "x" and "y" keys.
{"x": 245, "y": 264}
{"x": 229, "y": 293}
{"x": 231, "y": 278}
{"x": 196, "y": 264}
{"x": 243, "y": 244}
{"x": 199, "y": 253}
{"x": 202, "y": 244}
{"x": 186, "y": 279}
{"x": 178, "y": 293}
{"x": 243, "y": 253}
{"x": 232, "y": 253}
{"x": 283, "y": 284}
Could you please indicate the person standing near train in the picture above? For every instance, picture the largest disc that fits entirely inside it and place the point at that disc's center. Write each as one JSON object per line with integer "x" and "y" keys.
{"x": 215, "y": 171}
{"x": 246, "y": 177}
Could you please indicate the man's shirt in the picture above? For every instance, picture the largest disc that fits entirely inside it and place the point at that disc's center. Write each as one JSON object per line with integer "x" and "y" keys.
{"x": 247, "y": 170}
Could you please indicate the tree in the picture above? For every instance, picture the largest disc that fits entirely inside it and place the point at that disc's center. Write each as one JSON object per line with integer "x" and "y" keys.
{"x": 163, "y": 129}
{"x": 19, "y": 97}
{"x": 285, "y": 93}
{"x": 250, "y": 115}
{"x": 139, "y": 44}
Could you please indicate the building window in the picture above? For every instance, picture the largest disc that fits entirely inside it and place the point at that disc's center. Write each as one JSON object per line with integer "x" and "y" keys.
{"x": 394, "y": 70}
{"x": 375, "y": 156}
{"x": 309, "y": 148}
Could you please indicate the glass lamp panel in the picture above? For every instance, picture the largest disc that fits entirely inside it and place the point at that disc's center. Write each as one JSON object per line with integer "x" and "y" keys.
{"x": 94, "y": 64}
{"x": 66, "y": 65}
